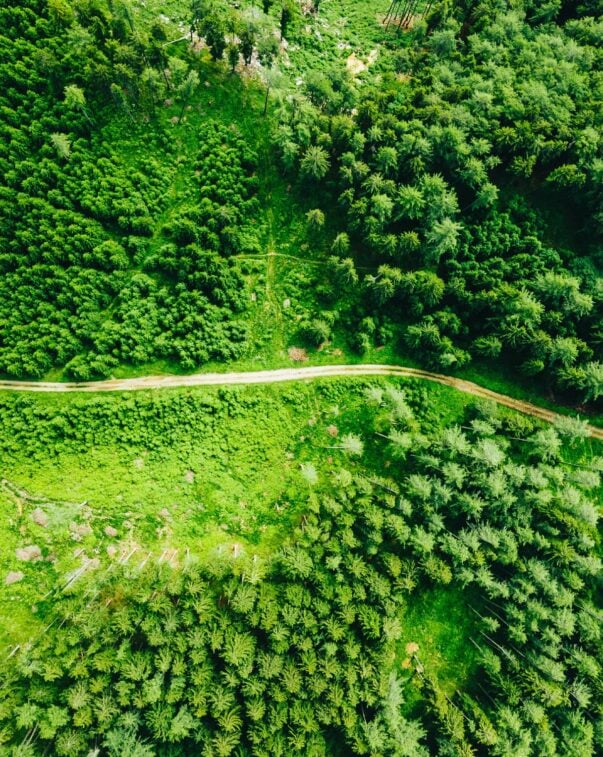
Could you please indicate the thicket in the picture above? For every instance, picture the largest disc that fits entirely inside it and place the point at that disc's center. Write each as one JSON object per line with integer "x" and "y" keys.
{"x": 146, "y": 421}
{"x": 469, "y": 179}
{"x": 299, "y": 653}
{"x": 92, "y": 273}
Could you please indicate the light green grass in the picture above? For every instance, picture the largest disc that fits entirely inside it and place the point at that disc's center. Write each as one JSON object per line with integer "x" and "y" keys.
{"x": 440, "y": 621}
{"x": 218, "y": 479}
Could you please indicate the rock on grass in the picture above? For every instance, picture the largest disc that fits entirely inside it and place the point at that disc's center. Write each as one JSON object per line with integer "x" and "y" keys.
{"x": 32, "y": 553}
{"x": 39, "y": 517}
{"x": 14, "y": 577}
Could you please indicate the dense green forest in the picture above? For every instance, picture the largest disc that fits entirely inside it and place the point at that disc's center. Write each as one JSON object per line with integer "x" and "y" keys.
{"x": 311, "y": 647}
{"x": 369, "y": 566}
{"x": 451, "y": 184}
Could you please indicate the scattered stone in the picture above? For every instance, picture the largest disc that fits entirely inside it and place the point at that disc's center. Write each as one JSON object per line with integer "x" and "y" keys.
{"x": 311, "y": 421}
{"x": 254, "y": 297}
{"x": 332, "y": 430}
{"x": 32, "y": 553}
{"x": 165, "y": 513}
{"x": 174, "y": 120}
{"x": 168, "y": 103}
{"x": 79, "y": 530}
{"x": 286, "y": 303}
{"x": 412, "y": 648}
{"x": 189, "y": 477}
{"x": 139, "y": 463}
{"x": 39, "y": 517}
{"x": 86, "y": 513}
{"x": 14, "y": 577}
{"x": 207, "y": 84}
{"x": 110, "y": 531}
{"x": 111, "y": 550}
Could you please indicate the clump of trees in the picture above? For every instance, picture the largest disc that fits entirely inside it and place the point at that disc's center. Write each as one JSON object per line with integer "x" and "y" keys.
{"x": 242, "y": 33}
{"x": 92, "y": 273}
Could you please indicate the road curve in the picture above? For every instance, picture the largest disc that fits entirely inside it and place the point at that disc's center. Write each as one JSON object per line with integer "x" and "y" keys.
{"x": 283, "y": 375}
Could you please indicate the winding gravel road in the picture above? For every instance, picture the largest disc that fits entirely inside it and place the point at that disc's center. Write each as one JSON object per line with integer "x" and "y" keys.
{"x": 283, "y": 375}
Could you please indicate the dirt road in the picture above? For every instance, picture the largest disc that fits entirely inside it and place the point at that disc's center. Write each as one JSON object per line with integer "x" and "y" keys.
{"x": 282, "y": 375}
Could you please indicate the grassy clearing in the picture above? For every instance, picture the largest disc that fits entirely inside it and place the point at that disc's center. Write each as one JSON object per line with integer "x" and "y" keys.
{"x": 342, "y": 28}
{"x": 440, "y": 623}
{"x": 211, "y": 472}
{"x": 436, "y": 629}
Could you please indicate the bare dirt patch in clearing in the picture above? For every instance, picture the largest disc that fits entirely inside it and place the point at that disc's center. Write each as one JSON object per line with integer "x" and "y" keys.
{"x": 298, "y": 354}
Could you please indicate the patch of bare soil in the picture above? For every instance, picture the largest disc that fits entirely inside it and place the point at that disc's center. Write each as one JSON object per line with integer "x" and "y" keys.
{"x": 298, "y": 354}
